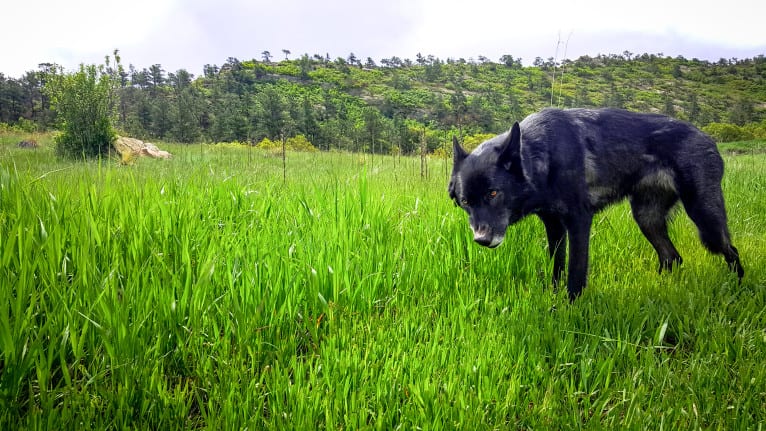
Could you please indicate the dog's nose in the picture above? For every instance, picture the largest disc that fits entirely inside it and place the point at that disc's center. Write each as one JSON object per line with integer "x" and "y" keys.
{"x": 481, "y": 234}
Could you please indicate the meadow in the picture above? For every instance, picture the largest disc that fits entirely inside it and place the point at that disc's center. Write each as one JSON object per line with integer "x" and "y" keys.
{"x": 208, "y": 291}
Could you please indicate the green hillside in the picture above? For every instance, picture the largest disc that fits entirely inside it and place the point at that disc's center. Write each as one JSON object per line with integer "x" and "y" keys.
{"x": 390, "y": 106}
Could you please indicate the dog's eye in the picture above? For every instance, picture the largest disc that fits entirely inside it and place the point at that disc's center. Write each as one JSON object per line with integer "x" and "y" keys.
{"x": 492, "y": 194}
{"x": 464, "y": 202}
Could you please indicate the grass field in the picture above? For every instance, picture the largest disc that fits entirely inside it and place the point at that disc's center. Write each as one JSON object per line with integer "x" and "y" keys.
{"x": 205, "y": 292}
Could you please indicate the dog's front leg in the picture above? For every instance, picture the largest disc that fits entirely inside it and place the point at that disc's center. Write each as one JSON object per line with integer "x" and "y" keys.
{"x": 578, "y": 228}
{"x": 557, "y": 244}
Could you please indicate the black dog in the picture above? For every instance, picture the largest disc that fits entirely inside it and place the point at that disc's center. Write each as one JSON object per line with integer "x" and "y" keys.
{"x": 566, "y": 165}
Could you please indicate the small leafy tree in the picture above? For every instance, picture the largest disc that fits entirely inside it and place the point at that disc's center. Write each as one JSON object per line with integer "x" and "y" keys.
{"x": 84, "y": 103}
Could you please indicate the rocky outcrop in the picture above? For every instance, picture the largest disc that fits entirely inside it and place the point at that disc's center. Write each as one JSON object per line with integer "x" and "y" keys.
{"x": 28, "y": 144}
{"x": 130, "y": 148}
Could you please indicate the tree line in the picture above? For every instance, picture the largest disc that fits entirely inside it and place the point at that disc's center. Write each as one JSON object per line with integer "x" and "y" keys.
{"x": 397, "y": 105}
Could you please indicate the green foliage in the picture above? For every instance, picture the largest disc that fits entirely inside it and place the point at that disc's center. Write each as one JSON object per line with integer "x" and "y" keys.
{"x": 269, "y": 145}
{"x": 22, "y": 126}
{"x": 444, "y": 151}
{"x": 725, "y": 132}
{"x": 757, "y": 130}
{"x": 26, "y": 125}
{"x": 84, "y": 104}
{"x": 300, "y": 143}
{"x": 329, "y": 101}
{"x": 296, "y": 143}
{"x": 473, "y": 141}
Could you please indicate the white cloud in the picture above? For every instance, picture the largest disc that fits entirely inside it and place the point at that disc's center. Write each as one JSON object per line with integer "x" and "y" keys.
{"x": 458, "y": 28}
{"x": 189, "y": 34}
{"x": 70, "y": 32}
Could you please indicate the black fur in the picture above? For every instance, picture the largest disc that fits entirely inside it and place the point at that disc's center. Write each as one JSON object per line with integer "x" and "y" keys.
{"x": 566, "y": 165}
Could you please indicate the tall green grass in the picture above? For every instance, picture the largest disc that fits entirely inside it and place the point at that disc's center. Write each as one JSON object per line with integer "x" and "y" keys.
{"x": 205, "y": 292}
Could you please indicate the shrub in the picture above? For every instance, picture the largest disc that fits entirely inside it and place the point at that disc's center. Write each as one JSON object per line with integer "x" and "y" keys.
{"x": 758, "y": 130}
{"x": 300, "y": 143}
{"x": 269, "y": 145}
{"x": 296, "y": 143}
{"x": 725, "y": 132}
{"x": 26, "y": 125}
{"x": 22, "y": 126}
{"x": 474, "y": 141}
{"x": 83, "y": 102}
{"x": 443, "y": 152}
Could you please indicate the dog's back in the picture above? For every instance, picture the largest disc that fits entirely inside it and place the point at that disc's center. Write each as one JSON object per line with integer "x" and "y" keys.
{"x": 609, "y": 154}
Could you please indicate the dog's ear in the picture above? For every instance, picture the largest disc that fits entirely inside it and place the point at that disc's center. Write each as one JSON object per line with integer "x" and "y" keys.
{"x": 510, "y": 154}
{"x": 458, "y": 153}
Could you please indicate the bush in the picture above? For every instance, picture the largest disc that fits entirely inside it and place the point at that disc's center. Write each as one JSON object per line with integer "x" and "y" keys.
{"x": 758, "y": 130}
{"x": 22, "y": 126}
{"x": 296, "y": 143}
{"x": 300, "y": 143}
{"x": 725, "y": 132}
{"x": 473, "y": 141}
{"x": 26, "y": 125}
{"x": 83, "y": 102}
{"x": 268, "y": 145}
{"x": 444, "y": 151}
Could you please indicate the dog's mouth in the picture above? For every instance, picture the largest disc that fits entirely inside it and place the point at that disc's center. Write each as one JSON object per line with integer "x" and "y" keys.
{"x": 489, "y": 241}
{"x": 496, "y": 241}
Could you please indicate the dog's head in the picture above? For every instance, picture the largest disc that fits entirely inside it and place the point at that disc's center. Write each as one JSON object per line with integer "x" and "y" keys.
{"x": 489, "y": 185}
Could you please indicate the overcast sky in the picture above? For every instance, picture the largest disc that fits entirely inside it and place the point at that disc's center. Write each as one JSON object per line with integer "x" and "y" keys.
{"x": 189, "y": 34}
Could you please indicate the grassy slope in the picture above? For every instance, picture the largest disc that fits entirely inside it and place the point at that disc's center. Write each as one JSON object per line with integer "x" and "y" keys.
{"x": 204, "y": 292}
{"x": 746, "y": 147}
{"x": 642, "y": 85}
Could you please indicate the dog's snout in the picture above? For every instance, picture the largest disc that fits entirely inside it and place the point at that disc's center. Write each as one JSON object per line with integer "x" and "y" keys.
{"x": 480, "y": 230}
{"x": 482, "y": 234}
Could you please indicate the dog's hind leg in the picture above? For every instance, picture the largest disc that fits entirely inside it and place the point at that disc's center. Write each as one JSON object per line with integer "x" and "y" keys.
{"x": 709, "y": 214}
{"x": 650, "y": 210}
